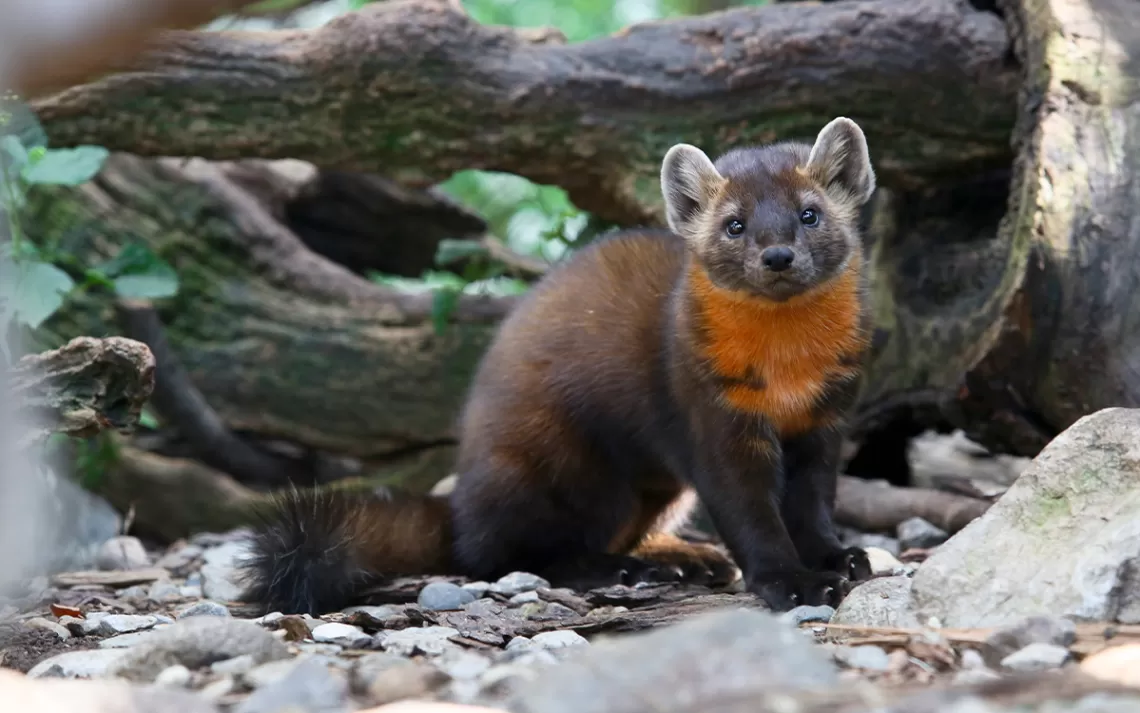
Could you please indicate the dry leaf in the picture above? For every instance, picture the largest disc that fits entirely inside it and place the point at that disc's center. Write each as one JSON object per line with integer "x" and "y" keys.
{"x": 295, "y": 628}
{"x": 60, "y": 610}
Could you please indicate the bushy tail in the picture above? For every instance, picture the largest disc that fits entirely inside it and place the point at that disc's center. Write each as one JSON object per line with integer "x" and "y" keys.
{"x": 314, "y": 550}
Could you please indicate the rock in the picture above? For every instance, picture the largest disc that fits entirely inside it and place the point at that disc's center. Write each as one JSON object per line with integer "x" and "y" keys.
{"x": 24, "y": 695}
{"x": 123, "y": 552}
{"x": 222, "y": 571}
{"x": 429, "y": 640}
{"x": 804, "y": 613}
{"x": 519, "y": 643}
{"x": 972, "y": 659}
{"x": 524, "y": 598}
{"x": 310, "y": 686}
{"x": 443, "y": 596}
{"x": 320, "y": 649}
{"x": 268, "y": 673}
{"x": 95, "y": 663}
{"x": 869, "y": 658}
{"x": 342, "y": 635}
{"x": 136, "y": 592}
{"x": 126, "y": 641}
{"x": 1057, "y": 543}
{"x": 732, "y": 655}
{"x": 236, "y": 666}
{"x": 269, "y": 619}
{"x": 369, "y": 666}
{"x": 477, "y": 588}
{"x": 883, "y": 562}
{"x": 460, "y": 664}
{"x": 410, "y": 680}
{"x": 176, "y": 676}
{"x": 518, "y": 582}
{"x": 868, "y": 540}
{"x": 177, "y": 559}
{"x": 973, "y": 676}
{"x": 1119, "y": 664}
{"x": 124, "y": 624}
{"x": 382, "y": 617}
{"x": 218, "y": 689}
{"x": 203, "y": 608}
{"x": 57, "y": 629}
{"x": 196, "y": 642}
{"x": 1031, "y": 630}
{"x": 883, "y": 601}
{"x": 558, "y": 639}
{"x": 917, "y": 533}
{"x": 1036, "y": 657}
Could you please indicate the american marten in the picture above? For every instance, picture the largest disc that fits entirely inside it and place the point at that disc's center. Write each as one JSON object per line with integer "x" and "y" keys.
{"x": 716, "y": 359}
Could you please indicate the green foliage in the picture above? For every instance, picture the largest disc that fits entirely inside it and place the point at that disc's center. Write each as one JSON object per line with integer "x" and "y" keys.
{"x": 35, "y": 280}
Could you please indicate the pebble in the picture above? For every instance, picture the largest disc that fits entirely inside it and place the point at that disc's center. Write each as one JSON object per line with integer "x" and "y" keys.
{"x": 218, "y": 689}
{"x": 412, "y": 679}
{"x": 460, "y": 664}
{"x": 525, "y": 598}
{"x": 443, "y": 596}
{"x": 477, "y": 588}
{"x": 1036, "y": 657}
{"x": 236, "y": 666}
{"x": 971, "y": 659}
{"x": 320, "y": 649}
{"x": 124, "y": 552}
{"x": 57, "y": 629}
{"x": 558, "y": 639}
{"x": 805, "y": 613}
{"x": 914, "y": 532}
{"x": 310, "y": 686}
{"x": 520, "y": 643}
{"x": 428, "y": 640}
{"x": 268, "y": 673}
{"x": 971, "y": 676}
{"x": 342, "y": 635}
{"x": 867, "y": 657}
{"x": 124, "y": 623}
{"x": 177, "y": 559}
{"x": 221, "y": 573}
{"x": 125, "y": 641}
{"x": 203, "y": 608}
{"x": 1030, "y": 630}
{"x": 883, "y": 562}
{"x": 77, "y": 664}
{"x": 176, "y": 676}
{"x": 518, "y": 582}
{"x": 269, "y": 619}
{"x": 136, "y": 592}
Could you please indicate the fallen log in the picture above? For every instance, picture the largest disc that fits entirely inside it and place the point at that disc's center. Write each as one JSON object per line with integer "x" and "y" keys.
{"x": 876, "y": 506}
{"x": 411, "y": 88}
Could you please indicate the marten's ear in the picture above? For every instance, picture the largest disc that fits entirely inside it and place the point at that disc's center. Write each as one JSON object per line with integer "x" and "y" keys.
{"x": 840, "y": 161}
{"x": 688, "y": 181}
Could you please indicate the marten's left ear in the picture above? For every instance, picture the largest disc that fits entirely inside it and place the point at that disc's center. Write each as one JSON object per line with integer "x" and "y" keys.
{"x": 840, "y": 161}
{"x": 688, "y": 182}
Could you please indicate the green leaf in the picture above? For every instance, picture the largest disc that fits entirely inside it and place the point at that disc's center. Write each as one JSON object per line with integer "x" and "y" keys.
{"x": 443, "y": 304}
{"x": 147, "y": 419}
{"x": 68, "y": 167}
{"x": 132, "y": 259}
{"x": 154, "y": 285}
{"x": 17, "y": 155}
{"x": 36, "y": 292}
{"x": 449, "y": 251}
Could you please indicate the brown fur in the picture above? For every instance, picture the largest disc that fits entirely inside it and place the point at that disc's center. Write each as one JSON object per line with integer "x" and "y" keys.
{"x": 648, "y": 367}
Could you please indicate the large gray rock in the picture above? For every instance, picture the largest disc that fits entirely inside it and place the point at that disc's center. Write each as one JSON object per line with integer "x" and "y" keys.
{"x": 1058, "y": 543}
{"x": 731, "y": 654}
{"x": 884, "y": 601}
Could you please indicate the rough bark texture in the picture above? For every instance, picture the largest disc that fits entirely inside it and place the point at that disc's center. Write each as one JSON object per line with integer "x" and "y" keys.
{"x": 1068, "y": 340}
{"x": 879, "y": 507}
{"x": 83, "y": 387}
{"x": 419, "y": 90}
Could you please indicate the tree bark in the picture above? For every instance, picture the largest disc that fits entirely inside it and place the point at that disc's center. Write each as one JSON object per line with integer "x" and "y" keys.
{"x": 82, "y": 388}
{"x": 419, "y": 90}
{"x": 1067, "y": 339}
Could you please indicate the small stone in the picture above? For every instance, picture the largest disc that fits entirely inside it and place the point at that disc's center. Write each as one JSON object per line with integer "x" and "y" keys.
{"x": 310, "y": 686}
{"x": 204, "y": 608}
{"x": 868, "y": 658}
{"x": 558, "y": 639}
{"x": 136, "y": 592}
{"x": 268, "y": 673}
{"x": 1030, "y": 630}
{"x": 971, "y": 659}
{"x": 524, "y": 598}
{"x": 342, "y": 635}
{"x": 520, "y": 643}
{"x": 236, "y": 666}
{"x": 221, "y": 573}
{"x": 126, "y": 641}
{"x": 177, "y": 559}
{"x": 444, "y": 596}
{"x": 57, "y": 629}
{"x": 369, "y": 666}
{"x": 1036, "y": 657}
{"x": 319, "y": 649}
{"x": 870, "y": 541}
{"x": 804, "y": 613}
{"x": 269, "y": 619}
{"x": 218, "y": 689}
{"x": 518, "y": 582}
{"x": 77, "y": 664}
{"x": 414, "y": 679}
{"x": 883, "y": 562}
{"x": 190, "y": 591}
{"x": 460, "y": 664}
{"x": 917, "y": 533}
{"x": 124, "y": 552}
{"x": 124, "y": 623}
{"x": 429, "y": 640}
{"x": 880, "y": 602}
{"x": 477, "y": 588}
{"x": 971, "y": 676}
{"x": 176, "y": 676}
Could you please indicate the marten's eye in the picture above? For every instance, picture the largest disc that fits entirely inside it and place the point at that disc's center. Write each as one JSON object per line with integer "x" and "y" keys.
{"x": 734, "y": 228}
{"x": 809, "y": 217}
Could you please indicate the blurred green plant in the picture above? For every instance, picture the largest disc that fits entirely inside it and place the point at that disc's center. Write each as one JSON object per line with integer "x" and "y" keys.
{"x": 35, "y": 280}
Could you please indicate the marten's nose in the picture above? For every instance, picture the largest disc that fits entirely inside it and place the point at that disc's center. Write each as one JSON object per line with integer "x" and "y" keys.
{"x": 777, "y": 258}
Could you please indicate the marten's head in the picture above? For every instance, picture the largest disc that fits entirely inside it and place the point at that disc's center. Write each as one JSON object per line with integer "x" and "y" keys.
{"x": 774, "y": 221}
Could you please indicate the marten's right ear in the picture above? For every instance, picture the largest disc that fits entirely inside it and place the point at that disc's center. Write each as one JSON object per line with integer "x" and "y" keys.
{"x": 688, "y": 181}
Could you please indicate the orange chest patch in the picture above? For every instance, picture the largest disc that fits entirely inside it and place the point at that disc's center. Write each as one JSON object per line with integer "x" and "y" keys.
{"x": 776, "y": 359}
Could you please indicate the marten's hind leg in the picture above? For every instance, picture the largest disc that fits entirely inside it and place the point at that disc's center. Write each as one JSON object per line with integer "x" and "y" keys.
{"x": 698, "y": 563}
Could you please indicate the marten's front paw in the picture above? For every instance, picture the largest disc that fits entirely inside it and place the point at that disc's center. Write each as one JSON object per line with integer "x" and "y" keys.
{"x": 851, "y": 562}
{"x": 787, "y": 589}
{"x": 605, "y": 570}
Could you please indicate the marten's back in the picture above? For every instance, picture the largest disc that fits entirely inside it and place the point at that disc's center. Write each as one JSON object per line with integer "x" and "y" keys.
{"x": 583, "y": 353}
